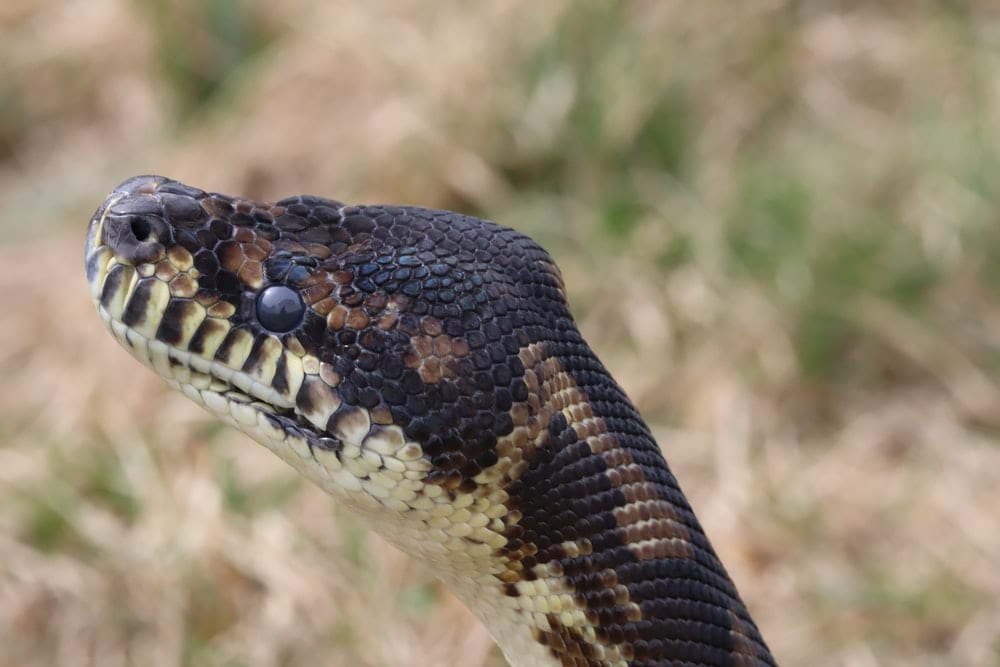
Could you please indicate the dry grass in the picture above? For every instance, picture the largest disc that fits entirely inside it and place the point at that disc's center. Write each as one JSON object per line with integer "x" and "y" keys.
{"x": 777, "y": 222}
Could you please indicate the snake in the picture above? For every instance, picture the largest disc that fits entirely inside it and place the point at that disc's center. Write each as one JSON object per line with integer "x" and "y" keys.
{"x": 423, "y": 368}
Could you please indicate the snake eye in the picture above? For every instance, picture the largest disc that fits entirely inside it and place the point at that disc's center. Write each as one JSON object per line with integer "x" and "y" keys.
{"x": 280, "y": 308}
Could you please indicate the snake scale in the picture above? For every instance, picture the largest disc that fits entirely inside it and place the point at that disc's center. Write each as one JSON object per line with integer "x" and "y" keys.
{"x": 423, "y": 367}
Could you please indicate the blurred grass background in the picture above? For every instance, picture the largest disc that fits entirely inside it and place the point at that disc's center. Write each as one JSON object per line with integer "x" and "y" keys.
{"x": 777, "y": 221}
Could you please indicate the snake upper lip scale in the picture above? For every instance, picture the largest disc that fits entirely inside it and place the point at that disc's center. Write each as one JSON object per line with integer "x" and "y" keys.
{"x": 423, "y": 367}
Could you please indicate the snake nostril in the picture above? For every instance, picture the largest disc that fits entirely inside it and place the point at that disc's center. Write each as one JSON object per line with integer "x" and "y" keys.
{"x": 141, "y": 230}
{"x": 135, "y": 235}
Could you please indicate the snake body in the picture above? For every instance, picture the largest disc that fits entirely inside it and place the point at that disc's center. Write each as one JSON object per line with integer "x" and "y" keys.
{"x": 423, "y": 367}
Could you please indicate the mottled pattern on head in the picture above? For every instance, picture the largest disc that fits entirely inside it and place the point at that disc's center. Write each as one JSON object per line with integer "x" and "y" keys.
{"x": 423, "y": 367}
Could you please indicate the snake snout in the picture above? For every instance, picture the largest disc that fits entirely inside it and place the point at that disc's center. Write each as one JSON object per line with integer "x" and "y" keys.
{"x": 134, "y": 228}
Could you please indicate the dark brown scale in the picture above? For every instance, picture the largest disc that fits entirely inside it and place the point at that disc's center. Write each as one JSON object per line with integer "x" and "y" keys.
{"x": 181, "y": 209}
{"x": 135, "y": 310}
{"x": 206, "y": 330}
{"x": 113, "y": 283}
{"x": 176, "y": 312}
{"x": 439, "y": 309}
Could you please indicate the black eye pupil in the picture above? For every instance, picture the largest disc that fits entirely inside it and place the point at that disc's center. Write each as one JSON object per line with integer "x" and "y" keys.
{"x": 140, "y": 229}
{"x": 279, "y": 308}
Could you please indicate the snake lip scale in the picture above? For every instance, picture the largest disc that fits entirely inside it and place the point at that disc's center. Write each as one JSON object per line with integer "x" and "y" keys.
{"x": 423, "y": 368}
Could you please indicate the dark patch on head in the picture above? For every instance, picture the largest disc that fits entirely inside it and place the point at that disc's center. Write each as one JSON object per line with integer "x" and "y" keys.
{"x": 303, "y": 399}
{"x": 358, "y": 223}
{"x": 280, "y": 380}
{"x": 225, "y": 350}
{"x": 135, "y": 310}
{"x": 177, "y": 311}
{"x": 255, "y": 362}
{"x": 230, "y": 255}
{"x": 182, "y": 209}
{"x": 113, "y": 284}
{"x": 209, "y": 327}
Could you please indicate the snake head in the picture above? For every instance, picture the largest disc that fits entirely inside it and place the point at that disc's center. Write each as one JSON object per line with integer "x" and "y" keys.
{"x": 383, "y": 351}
